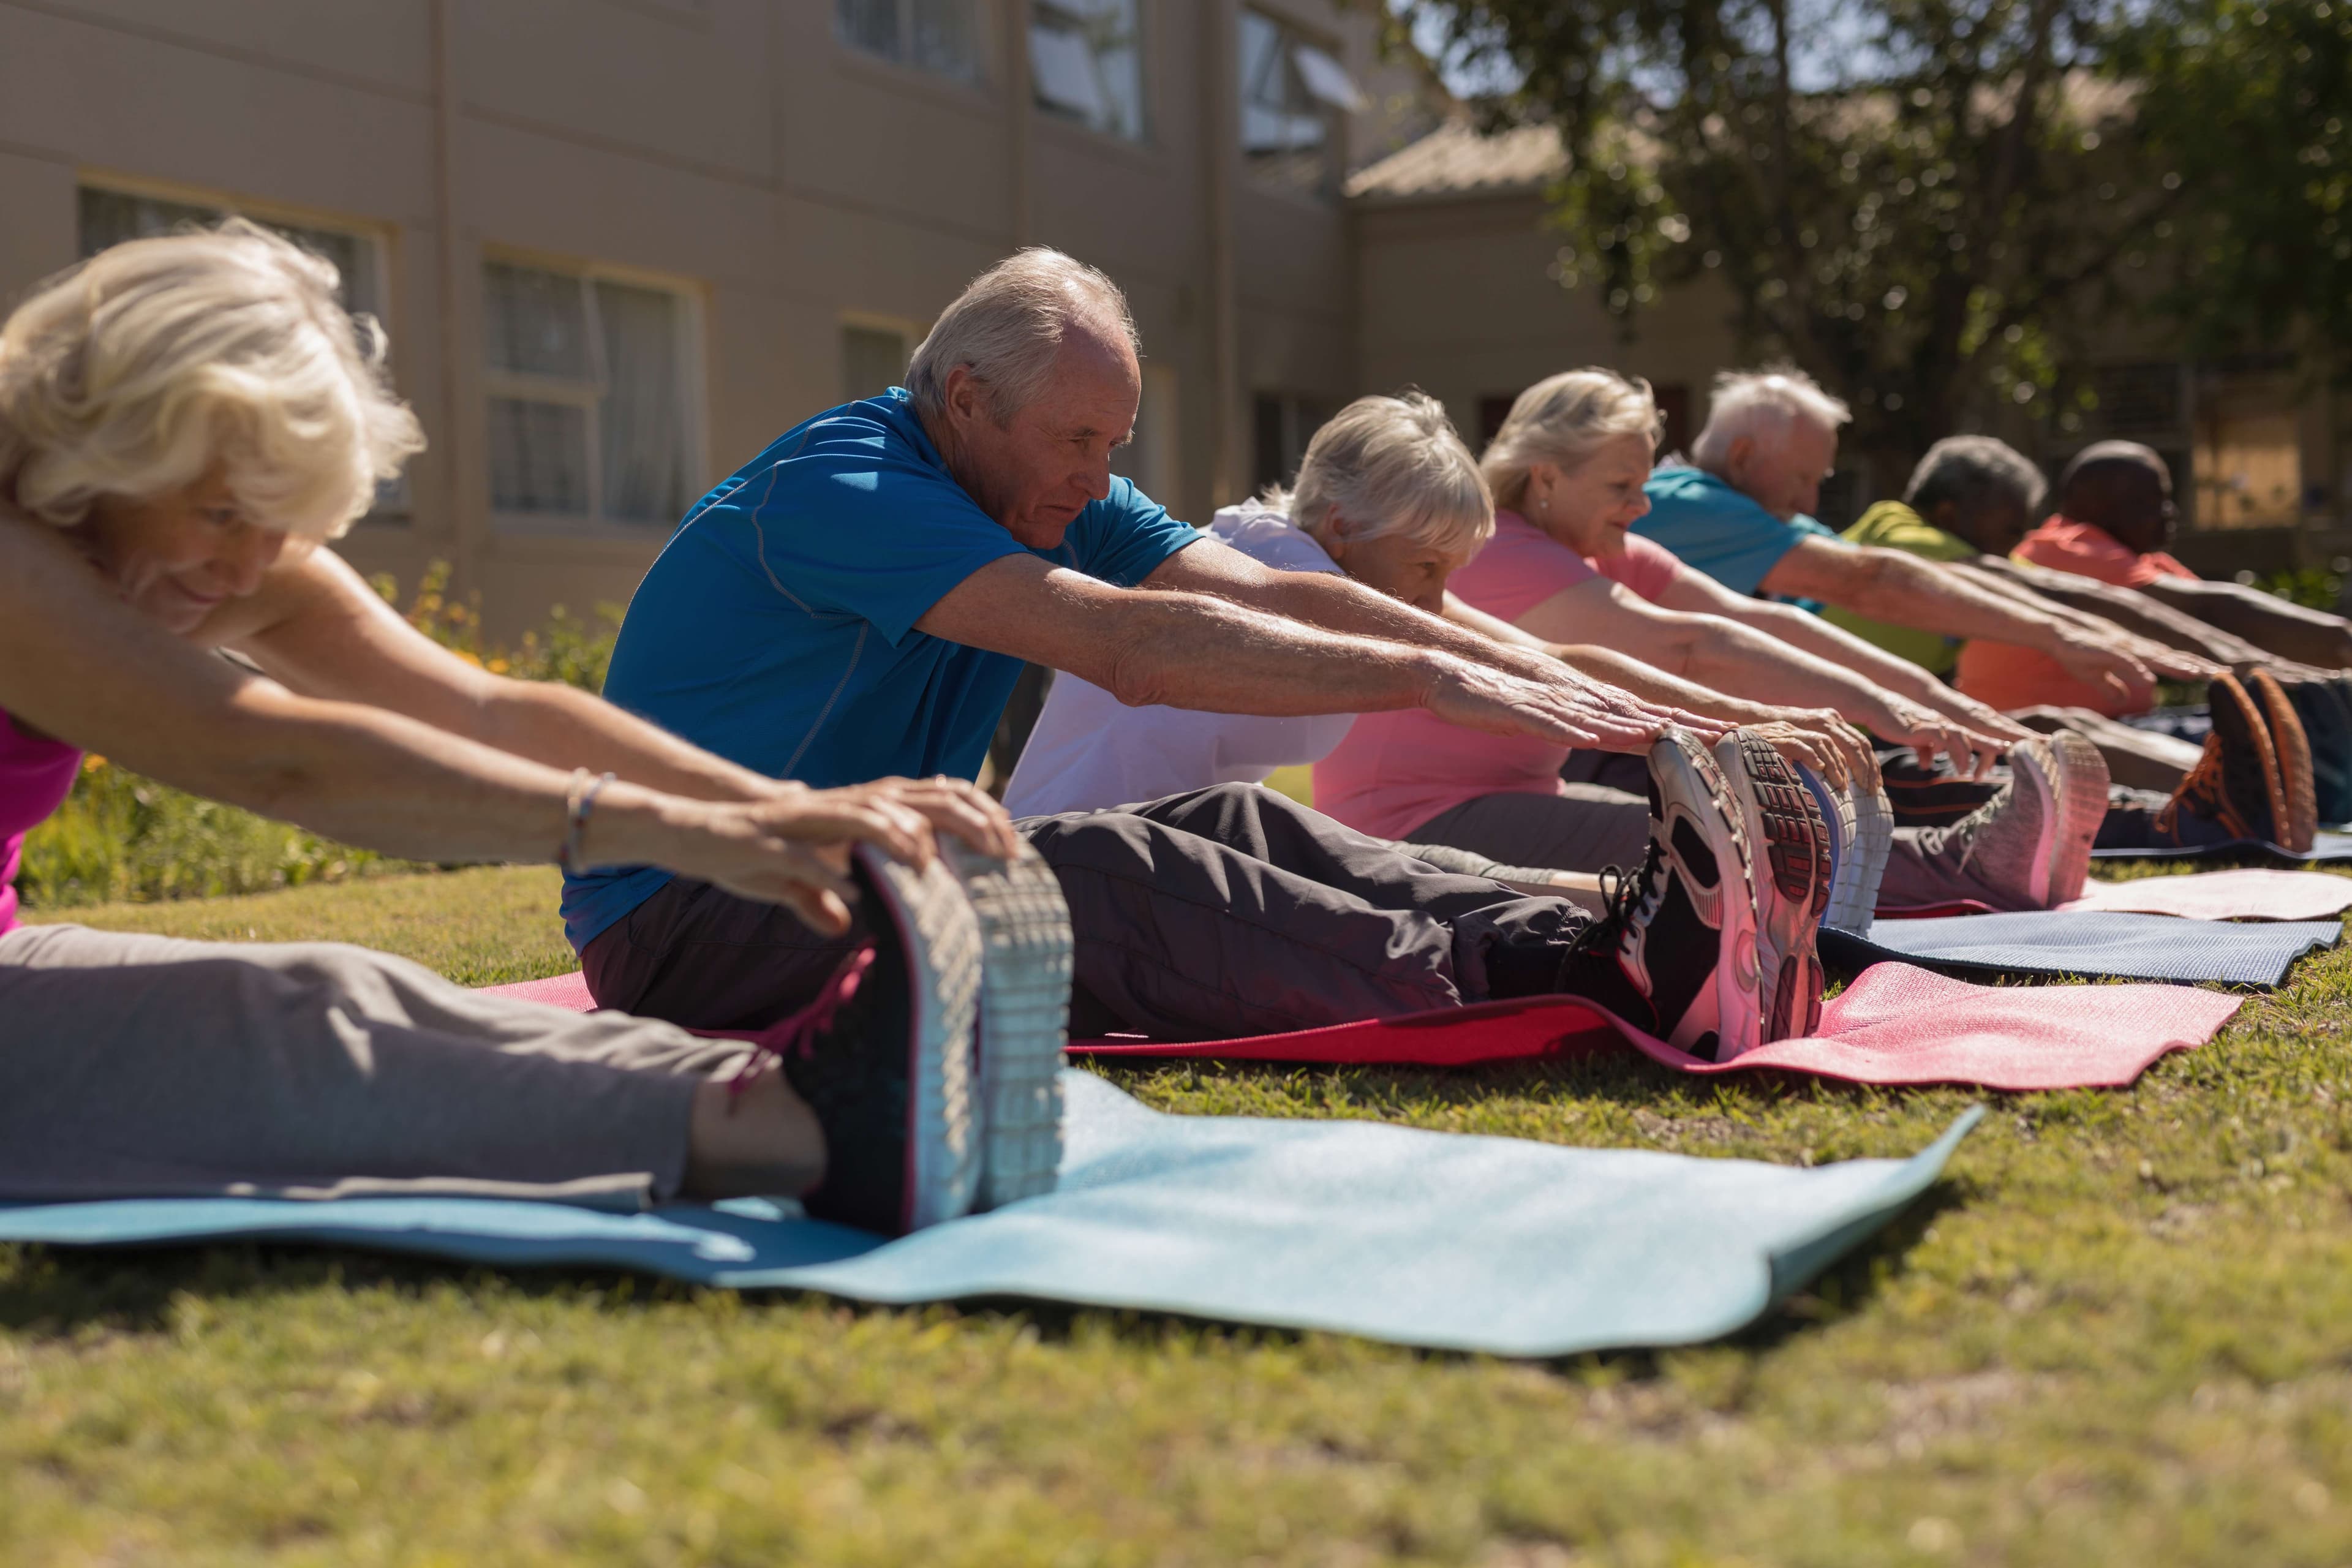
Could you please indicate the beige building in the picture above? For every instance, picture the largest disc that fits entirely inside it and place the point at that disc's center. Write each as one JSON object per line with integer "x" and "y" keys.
{"x": 621, "y": 245}
{"x": 1457, "y": 292}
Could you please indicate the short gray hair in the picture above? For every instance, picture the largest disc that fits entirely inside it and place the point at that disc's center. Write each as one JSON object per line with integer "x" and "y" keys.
{"x": 1971, "y": 471}
{"x": 1561, "y": 420}
{"x": 1761, "y": 404}
{"x": 1394, "y": 465}
{"x": 1008, "y": 324}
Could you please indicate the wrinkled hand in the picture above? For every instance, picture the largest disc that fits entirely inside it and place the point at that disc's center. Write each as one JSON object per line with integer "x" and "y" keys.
{"x": 1819, "y": 739}
{"x": 1562, "y": 706}
{"x": 2108, "y": 666}
{"x": 1972, "y": 749}
{"x": 2170, "y": 663}
{"x": 793, "y": 848}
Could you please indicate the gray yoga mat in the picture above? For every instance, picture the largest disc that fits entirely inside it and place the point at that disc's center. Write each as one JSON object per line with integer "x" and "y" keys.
{"x": 2047, "y": 943}
{"x": 1435, "y": 1239}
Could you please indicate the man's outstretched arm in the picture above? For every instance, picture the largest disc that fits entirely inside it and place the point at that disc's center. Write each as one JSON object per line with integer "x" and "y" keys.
{"x": 2269, "y": 622}
{"x": 1193, "y": 650}
{"x": 1889, "y": 585}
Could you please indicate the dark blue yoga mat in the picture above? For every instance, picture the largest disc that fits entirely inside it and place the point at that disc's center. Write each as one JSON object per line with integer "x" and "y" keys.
{"x": 2046, "y": 944}
{"x": 2327, "y": 848}
{"x": 1436, "y": 1239}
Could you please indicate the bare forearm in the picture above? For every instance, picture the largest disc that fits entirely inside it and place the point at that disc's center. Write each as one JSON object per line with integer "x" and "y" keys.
{"x": 1810, "y": 634}
{"x": 2133, "y": 611}
{"x": 1341, "y": 605}
{"x": 1206, "y": 653}
{"x": 1751, "y": 664}
{"x": 1655, "y": 685}
{"x": 567, "y": 728}
{"x": 372, "y": 778}
{"x": 2270, "y": 623}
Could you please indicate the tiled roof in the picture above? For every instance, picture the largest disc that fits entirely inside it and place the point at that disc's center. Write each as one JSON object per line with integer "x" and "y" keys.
{"x": 1455, "y": 161}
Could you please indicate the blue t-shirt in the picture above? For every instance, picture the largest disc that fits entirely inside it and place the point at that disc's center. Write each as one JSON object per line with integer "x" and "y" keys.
{"x": 777, "y": 627}
{"x": 1713, "y": 528}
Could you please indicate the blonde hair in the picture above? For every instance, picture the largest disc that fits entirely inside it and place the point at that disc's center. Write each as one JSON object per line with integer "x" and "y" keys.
{"x": 1008, "y": 324}
{"x": 1391, "y": 464}
{"x": 1761, "y": 404}
{"x": 138, "y": 370}
{"x": 1561, "y": 420}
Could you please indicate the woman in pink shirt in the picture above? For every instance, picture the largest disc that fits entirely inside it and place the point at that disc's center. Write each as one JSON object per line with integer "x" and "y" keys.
{"x": 183, "y": 422}
{"x": 1567, "y": 469}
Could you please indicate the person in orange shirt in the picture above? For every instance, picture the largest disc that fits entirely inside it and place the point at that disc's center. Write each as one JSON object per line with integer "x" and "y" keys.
{"x": 2103, "y": 551}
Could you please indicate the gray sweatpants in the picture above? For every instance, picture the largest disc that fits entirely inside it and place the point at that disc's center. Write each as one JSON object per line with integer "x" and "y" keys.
{"x": 143, "y": 1066}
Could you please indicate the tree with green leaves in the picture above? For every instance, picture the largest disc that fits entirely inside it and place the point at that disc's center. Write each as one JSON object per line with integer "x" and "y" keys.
{"x": 1921, "y": 201}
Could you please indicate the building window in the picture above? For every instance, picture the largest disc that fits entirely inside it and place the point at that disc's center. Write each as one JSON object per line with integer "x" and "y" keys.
{"x": 109, "y": 217}
{"x": 938, "y": 35}
{"x": 1283, "y": 424}
{"x": 1086, "y": 62}
{"x": 590, "y": 405}
{"x": 1294, "y": 97}
{"x": 873, "y": 361}
{"x": 2248, "y": 465}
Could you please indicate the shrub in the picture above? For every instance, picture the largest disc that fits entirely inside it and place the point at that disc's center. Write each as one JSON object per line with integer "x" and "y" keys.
{"x": 122, "y": 837}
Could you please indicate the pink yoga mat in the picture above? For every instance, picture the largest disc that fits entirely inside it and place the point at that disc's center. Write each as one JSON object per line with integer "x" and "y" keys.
{"x": 1895, "y": 1025}
{"x": 2246, "y": 895}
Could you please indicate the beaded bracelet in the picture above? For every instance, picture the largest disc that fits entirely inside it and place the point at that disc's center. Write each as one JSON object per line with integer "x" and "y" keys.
{"x": 578, "y": 802}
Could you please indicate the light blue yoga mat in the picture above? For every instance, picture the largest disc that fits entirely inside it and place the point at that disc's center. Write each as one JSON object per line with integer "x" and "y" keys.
{"x": 2045, "y": 943}
{"x": 1435, "y": 1239}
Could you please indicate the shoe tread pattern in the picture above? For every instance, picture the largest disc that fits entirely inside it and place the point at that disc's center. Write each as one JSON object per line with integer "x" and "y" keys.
{"x": 941, "y": 938}
{"x": 1024, "y": 1008}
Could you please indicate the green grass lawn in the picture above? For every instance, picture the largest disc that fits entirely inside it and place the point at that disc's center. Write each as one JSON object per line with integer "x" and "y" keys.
{"x": 2119, "y": 1332}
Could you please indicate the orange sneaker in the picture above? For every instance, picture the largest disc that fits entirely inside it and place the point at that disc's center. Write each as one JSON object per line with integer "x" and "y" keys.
{"x": 2235, "y": 784}
{"x": 2292, "y": 747}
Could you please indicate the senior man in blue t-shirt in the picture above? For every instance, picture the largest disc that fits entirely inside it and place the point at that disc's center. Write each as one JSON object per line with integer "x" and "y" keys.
{"x": 857, "y": 602}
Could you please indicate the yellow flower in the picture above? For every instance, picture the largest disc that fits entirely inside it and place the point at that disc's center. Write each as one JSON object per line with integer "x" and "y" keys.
{"x": 472, "y": 658}
{"x": 92, "y": 762}
{"x": 497, "y": 666}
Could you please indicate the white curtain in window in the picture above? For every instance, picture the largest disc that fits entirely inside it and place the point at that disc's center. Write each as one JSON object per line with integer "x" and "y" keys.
{"x": 539, "y": 456}
{"x": 536, "y": 323}
{"x": 642, "y": 415}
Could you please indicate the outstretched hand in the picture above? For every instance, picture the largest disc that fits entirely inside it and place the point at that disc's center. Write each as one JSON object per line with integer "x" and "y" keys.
{"x": 2110, "y": 667}
{"x": 793, "y": 848}
{"x": 1560, "y": 705}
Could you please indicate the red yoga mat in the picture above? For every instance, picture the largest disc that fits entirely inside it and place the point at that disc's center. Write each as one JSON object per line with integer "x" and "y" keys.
{"x": 1894, "y": 1025}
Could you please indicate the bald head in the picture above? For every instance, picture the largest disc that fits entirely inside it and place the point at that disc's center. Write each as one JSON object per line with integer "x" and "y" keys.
{"x": 2124, "y": 488}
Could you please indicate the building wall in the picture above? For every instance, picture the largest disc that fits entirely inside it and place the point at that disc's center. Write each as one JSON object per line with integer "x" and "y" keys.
{"x": 734, "y": 149}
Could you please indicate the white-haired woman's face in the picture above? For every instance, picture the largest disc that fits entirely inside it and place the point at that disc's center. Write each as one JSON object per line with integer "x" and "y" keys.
{"x": 1396, "y": 564}
{"x": 1590, "y": 507}
{"x": 176, "y": 556}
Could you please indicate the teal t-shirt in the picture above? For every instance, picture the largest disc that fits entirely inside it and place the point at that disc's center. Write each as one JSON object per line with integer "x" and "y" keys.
{"x": 1716, "y": 529}
{"x": 777, "y": 628}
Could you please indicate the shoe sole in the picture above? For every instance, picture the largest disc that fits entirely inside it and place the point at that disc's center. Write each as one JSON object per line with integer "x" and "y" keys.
{"x": 1873, "y": 836}
{"x": 940, "y": 937}
{"x": 2291, "y": 747}
{"x": 1025, "y": 1012}
{"x": 1685, "y": 776}
{"x": 2034, "y": 764}
{"x": 2081, "y": 805}
{"x": 1787, "y": 843}
{"x": 2242, "y": 741}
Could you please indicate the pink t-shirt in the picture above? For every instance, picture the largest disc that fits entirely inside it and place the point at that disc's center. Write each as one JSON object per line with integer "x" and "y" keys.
{"x": 35, "y": 777}
{"x": 1396, "y": 770}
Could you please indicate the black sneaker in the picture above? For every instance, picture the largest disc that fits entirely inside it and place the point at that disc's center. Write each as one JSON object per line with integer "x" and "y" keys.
{"x": 884, "y": 1058}
{"x": 1675, "y": 958}
{"x": 1789, "y": 850}
{"x": 1025, "y": 1010}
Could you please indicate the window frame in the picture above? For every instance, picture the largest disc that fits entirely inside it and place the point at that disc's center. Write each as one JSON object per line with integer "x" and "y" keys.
{"x": 531, "y": 388}
{"x": 984, "y": 32}
{"x": 1147, "y": 120}
{"x": 905, "y": 328}
{"x": 1292, "y": 36}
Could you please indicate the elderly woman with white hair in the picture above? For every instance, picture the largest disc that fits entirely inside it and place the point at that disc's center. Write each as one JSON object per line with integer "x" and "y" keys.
{"x": 184, "y": 422}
